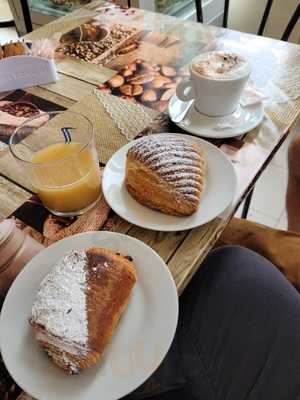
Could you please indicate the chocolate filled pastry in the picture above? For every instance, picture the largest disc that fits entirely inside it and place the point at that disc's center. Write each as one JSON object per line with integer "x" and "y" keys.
{"x": 166, "y": 173}
{"x": 79, "y": 304}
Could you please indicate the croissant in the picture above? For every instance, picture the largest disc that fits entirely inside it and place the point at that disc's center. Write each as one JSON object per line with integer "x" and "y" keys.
{"x": 14, "y": 49}
{"x": 166, "y": 173}
{"x": 79, "y": 304}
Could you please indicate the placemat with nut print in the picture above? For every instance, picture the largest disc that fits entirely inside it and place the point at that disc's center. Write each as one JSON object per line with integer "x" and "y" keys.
{"x": 96, "y": 39}
{"x": 88, "y": 34}
{"x": 115, "y": 37}
{"x": 152, "y": 85}
{"x": 149, "y": 69}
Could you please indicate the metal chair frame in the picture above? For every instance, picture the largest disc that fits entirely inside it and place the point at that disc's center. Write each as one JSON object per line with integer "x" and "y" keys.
{"x": 26, "y": 15}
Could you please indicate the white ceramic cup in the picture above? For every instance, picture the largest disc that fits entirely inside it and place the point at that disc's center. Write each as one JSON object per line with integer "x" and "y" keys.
{"x": 212, "y": 96}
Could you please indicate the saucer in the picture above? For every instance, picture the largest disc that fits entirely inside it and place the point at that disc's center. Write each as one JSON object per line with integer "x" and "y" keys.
{"x": 243, "y": 120}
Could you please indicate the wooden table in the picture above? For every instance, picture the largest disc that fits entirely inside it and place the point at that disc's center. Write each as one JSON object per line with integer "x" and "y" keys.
{"x": 273, "y": 71}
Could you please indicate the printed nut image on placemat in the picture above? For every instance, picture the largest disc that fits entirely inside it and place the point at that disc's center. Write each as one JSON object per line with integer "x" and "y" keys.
{"x": 47, "y": 228}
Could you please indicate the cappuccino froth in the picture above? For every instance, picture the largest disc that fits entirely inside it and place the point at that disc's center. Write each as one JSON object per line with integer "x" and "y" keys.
{"x": 221, "y": 65}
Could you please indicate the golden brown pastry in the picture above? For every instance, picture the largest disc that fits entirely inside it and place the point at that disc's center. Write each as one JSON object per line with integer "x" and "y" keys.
{"x": 79, "y": 304}
{"x": 14, "y": 49}
{"x": 8, "y": 50}
{"x": 1, "y": 53}
{"x": 166, "y": 173}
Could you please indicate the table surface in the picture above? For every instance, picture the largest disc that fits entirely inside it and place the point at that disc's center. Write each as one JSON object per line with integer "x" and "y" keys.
{"x": 274, "y": 71}
{"x": 250, "y": 154}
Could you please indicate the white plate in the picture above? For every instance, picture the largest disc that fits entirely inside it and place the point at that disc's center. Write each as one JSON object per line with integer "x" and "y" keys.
{"x": 219, "y": 191}
{"x": 139, "y": 344}
{"x": 243, "y": 120}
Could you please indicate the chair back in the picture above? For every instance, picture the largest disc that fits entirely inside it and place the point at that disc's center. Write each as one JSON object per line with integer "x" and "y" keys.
{"x": 289, "y": 29}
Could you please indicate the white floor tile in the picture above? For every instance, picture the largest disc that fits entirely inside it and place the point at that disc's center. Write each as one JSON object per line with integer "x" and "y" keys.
{"x": 8, "y": 34}
{"x": 239, "y": 211}
{"x": 270, "y": 190}
{"x": 282, "y": 223}
{"x": 281, "y": 156}
{"x": 256, "y": 216}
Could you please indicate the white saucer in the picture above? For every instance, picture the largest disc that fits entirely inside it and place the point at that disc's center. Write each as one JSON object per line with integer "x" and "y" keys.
{"x": 220, "y": 189}
{"x": 243, "y": 120}
{"x": 139, "y": 344}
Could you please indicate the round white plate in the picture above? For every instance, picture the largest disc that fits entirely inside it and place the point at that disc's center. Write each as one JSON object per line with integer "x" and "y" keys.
{"x": 219, "y": 191}
{"x": 139, "y": 344}
{"x": 241, "y": 121}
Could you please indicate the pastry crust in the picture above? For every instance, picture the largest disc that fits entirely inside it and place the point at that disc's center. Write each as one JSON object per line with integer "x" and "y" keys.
{"x": 14, "y": 49}
{"x": 105, "y": 281}
{"x": 166, "y": 173}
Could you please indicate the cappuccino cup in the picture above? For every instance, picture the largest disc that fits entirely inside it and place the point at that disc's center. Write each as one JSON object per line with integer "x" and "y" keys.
{"x": 217, "y": 80}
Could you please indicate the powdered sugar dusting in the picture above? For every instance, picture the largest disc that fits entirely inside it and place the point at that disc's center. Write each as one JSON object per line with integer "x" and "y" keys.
{"x": 178, "y": 161}
{"x": 168, "y": 161}
{"x": 60, "y": 305}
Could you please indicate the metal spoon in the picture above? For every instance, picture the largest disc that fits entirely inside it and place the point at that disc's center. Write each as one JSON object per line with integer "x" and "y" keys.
{"x": 180, "y": 117}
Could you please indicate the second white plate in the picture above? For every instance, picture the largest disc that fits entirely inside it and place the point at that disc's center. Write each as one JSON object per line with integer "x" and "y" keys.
{"x": 220, "y": 188}
{"x": 139, "y": 344}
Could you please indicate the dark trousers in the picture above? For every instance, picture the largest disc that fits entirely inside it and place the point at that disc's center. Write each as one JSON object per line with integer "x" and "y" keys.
{"x": 238, "y": 335}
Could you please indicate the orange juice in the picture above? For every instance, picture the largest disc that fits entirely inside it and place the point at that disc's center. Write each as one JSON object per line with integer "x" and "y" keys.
{"x": 66, "y": 176}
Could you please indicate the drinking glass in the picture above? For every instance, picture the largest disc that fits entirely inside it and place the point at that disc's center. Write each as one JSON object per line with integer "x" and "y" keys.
{"x": 57, "y": 151}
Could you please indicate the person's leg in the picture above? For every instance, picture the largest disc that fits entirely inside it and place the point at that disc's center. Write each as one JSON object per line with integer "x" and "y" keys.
{"x": 238, "y": 333}
{"x": 293, "y": 191}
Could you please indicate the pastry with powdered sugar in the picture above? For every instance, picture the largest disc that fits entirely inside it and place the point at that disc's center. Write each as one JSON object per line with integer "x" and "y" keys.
{"x": 166, "y": 173}
{"x": 79, "y": 303}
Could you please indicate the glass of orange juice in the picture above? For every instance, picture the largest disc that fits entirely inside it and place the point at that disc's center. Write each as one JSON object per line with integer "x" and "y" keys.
{"x": 57, "y": 151}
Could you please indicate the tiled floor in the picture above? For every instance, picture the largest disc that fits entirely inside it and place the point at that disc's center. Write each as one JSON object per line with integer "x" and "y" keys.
{"x": 268, "y": 202}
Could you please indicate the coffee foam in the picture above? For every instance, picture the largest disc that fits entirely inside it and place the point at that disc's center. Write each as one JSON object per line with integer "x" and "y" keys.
{"x": 221, "y": 65}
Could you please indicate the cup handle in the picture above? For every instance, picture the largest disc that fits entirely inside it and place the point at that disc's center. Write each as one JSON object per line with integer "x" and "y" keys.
{"x": 181, "y": 90}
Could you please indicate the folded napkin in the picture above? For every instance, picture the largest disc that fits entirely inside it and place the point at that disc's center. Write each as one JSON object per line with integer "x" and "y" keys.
{"x": 251, "y": 95}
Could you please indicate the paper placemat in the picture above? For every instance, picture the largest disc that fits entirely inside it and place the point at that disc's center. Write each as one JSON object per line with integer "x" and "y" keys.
{"x": 129, "y": 116}
{"x": 284, "y": 115}
{"x": 109, "y": 137}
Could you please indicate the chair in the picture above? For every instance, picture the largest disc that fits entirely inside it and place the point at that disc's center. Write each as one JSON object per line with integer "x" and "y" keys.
{"x": 198, "y": 4}
{"x": 21, "y": 14}
{"x": 262, "y": 25}
{"x": 291, "y": 25}
{"x": 26, "y": 15}
{"x": 7, "y": 24}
